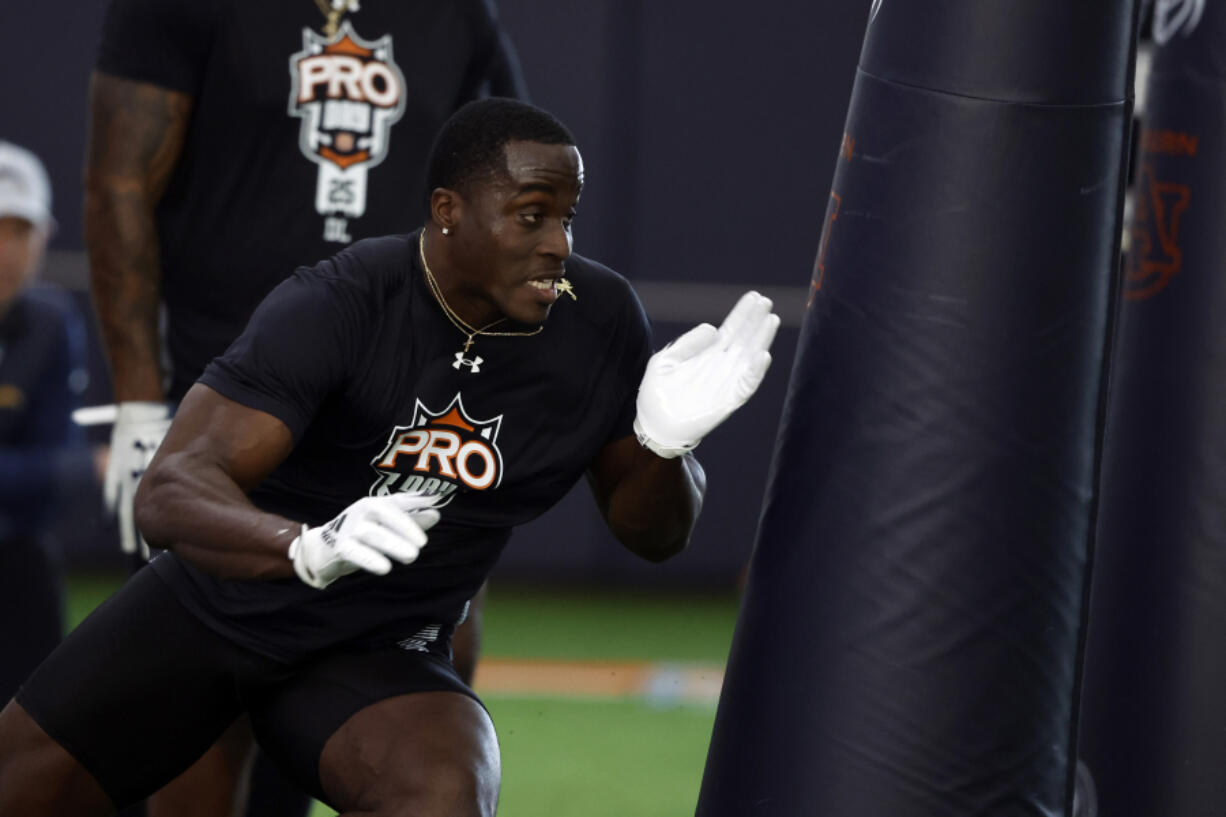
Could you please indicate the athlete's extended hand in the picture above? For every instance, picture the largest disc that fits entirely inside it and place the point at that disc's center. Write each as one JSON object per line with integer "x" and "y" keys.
{"x": 137, "y": 433}
{"x": 694, "y": 383}
{"x": 367, "y": 535}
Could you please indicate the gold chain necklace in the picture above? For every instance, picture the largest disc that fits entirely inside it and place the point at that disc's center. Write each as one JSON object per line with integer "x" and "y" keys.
{"x": 333, "y": 11}
{"x": 470, "y": 333}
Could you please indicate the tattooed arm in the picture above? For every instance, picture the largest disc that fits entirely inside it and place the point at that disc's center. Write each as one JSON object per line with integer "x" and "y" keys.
{"x": 136, "y": 137}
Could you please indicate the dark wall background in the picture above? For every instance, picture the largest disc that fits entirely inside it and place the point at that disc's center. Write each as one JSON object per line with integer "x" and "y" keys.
{"x": 709, "y": 131}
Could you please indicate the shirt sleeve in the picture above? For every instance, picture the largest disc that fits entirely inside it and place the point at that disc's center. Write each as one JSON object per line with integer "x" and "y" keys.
{"x": 494, "y": 69}
{"x": 504, "y": 77}
{"x": 162, "y": 42}
{"x": 302, "y": 343}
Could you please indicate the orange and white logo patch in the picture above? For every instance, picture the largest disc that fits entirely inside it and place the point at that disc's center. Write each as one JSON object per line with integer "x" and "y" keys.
{"x": 439, "y": 453}
{"x": 1155, "y": 254}
{"x": 348, "y": 92}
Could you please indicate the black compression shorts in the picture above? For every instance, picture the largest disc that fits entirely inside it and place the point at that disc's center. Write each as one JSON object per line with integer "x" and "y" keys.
{"x": 142, "y": 688}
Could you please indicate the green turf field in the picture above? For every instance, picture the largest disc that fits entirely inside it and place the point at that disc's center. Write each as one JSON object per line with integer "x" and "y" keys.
{"x": 572, "y": 756}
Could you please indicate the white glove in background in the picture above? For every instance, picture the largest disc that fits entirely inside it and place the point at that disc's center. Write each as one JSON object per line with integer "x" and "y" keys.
{"x": 367, "y": 536}
{"x": 694, "y": 383}
{"x": 137, "y": 433}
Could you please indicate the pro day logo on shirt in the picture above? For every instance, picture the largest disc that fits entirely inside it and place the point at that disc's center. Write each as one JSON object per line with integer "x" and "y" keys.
{"x": 440, "y": 452}
{"x": 348, "y": 92}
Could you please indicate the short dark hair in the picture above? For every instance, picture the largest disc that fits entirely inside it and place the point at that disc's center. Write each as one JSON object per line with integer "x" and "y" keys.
{"x": 469, "y": 147}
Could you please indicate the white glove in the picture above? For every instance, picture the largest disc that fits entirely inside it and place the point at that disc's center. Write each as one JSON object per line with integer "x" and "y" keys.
{"x": 138, "y": 431}
{"x": 694, "y": 383}
{"x": 364, "y": 536}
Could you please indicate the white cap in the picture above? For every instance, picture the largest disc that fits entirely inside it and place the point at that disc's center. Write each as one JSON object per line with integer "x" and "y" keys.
{"x": 25, "y": 190}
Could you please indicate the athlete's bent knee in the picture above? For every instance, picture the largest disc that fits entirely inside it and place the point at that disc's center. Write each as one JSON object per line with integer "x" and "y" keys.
{"x": 445, "y": 789}
{"x": 423, "y": 754}
{"x": 38, "y": 777}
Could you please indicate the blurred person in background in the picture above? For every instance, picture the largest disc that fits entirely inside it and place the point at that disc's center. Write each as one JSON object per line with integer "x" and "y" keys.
{"x": 42, "y": 372}
{"x": 229, "y": 144}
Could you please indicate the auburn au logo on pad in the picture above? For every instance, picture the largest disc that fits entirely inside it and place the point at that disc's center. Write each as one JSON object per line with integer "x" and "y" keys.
{"x": 439, "y": 453}
{"x": 1154, "y": 253}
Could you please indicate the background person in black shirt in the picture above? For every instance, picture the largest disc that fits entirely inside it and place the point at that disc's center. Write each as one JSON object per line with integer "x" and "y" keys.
{"x": 449, "y": 384}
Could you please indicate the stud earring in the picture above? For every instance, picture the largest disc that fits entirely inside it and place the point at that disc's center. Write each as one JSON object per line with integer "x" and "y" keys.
{"x": 446, "y": 231}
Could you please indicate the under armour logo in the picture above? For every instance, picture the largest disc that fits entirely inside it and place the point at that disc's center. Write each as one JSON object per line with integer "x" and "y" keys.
{"x": 474, "y": 364}
{"x": 336, "y": 229}
{"x": 329, "y": 533}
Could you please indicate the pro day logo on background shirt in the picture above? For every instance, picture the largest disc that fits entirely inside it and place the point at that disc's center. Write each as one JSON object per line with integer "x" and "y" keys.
{"x": 348, "y": 92}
